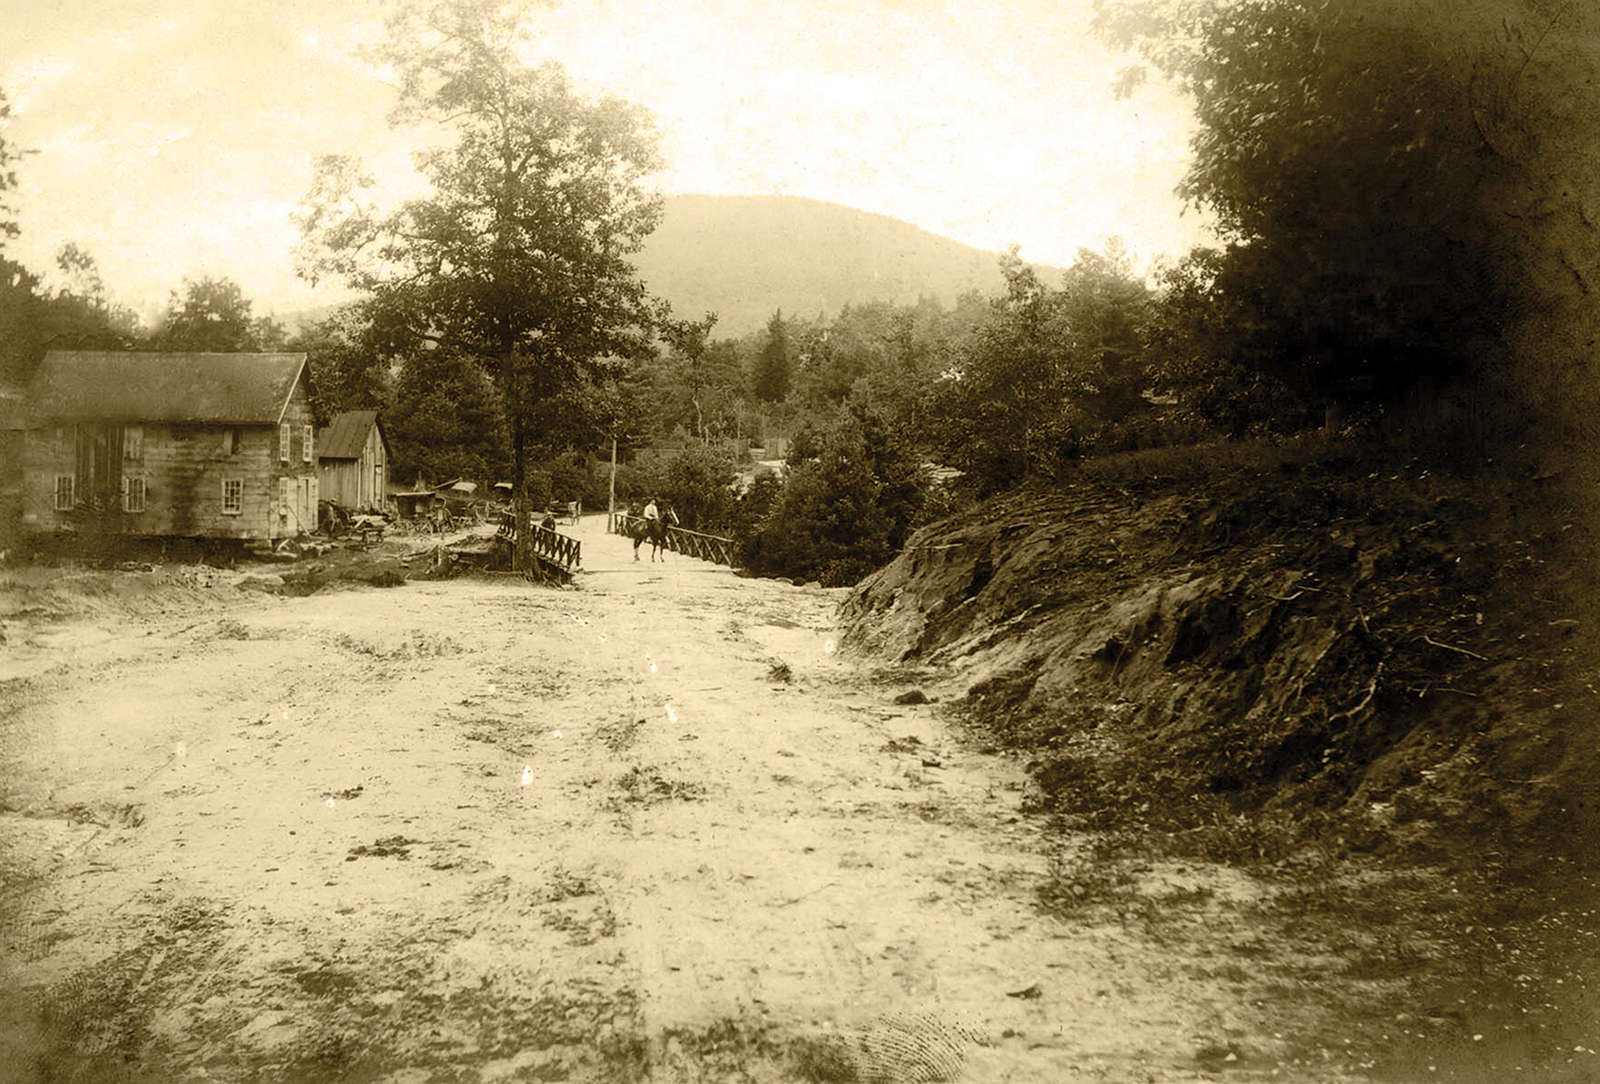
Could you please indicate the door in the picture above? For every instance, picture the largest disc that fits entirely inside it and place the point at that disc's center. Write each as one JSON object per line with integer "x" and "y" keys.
{"x": 305, "y": 503}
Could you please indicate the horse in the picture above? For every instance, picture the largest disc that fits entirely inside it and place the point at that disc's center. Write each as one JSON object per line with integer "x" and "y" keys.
{"x": 655, "y": 530}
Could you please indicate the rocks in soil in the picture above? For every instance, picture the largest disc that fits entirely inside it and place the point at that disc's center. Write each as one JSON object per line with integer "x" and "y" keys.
{"x": 914, "y": 696}
{"x": 388, "y": 847}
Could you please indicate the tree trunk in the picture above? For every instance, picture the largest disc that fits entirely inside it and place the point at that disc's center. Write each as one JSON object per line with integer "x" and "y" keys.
{"x": 522, "y": 556}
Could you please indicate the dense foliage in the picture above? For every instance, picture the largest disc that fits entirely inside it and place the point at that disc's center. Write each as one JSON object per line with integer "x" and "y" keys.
{"x": 1051, "y": 374}
{"x": 446, "y": 421}
{"x": 1344, "y": 157}
{"x": 213, "y": 316}
{"x": 846, "y": 507}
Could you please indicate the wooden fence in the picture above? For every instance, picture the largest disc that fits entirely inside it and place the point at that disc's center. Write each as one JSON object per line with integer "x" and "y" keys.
{"x": 707, "y": 547}
{"x": 551, "y": 547}
{"x": 558, "y": 549}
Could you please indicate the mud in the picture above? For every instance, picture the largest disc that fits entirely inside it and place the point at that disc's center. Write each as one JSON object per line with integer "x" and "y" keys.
{"x": 653, "y": 828}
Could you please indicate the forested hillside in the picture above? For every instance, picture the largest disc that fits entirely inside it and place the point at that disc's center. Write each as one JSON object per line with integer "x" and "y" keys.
{"x": 743, "y": 257}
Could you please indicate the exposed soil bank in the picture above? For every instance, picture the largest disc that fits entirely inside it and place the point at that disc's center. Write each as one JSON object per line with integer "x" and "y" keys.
{"x": 1404, "y": 657}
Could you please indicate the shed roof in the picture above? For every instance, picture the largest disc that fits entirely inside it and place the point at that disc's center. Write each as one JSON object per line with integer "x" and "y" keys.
{"x": 346, "y": 435}
{"x": 126, "y": 386}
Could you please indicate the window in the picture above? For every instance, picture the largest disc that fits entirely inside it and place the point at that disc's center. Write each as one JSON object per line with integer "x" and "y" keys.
{"x": 133, "y": 442}
{"x": 307, "y": 436}
{"x": 284, "y": 431}
{"x": 232, "y": 496}
{"x": 230, "y": 442}
{"x": 65, "y": 497}
{"x": 284, "y": 495}
{"x": 133, "y": 494}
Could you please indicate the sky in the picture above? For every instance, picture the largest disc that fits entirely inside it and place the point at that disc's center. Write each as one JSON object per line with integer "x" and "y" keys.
{"x": 175, "y": 138}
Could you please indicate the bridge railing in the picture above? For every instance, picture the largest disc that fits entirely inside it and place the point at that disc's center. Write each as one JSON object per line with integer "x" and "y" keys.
{"x": 548, "y": 545}
{"x": 557, "y": 548}
{"x": 707, "y": 547}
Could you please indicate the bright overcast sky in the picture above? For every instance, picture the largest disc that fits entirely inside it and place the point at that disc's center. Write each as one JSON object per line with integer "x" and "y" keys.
{"x": 175, "y": 137}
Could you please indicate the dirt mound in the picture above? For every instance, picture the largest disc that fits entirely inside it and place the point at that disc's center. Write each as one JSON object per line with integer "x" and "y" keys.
{"x": 1392, "y": 657}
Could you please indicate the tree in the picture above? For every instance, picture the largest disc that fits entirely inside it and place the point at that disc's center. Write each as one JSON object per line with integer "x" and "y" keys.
{"x": 695, "y": 484}
{"x": 348, "y": 372}
{"x": 842, "y": 513}
{"x": 35, "y": 320}
{"x": 686, "y": 373}
{"x": 212, "y": 315}
{"x": 1346, "y": 159}
{"x": 518, "y": 257}
{"x": 1053, "y": 373}
{"x": 1003, "y": 404}
{"x": 770, "y": 381}
{"x": 83, "y": 288}
{"x": 10, "y": 155}
{"x": 446, "y": 420}
{"x": 1105, "y": 306}
{"x": 1189, "y": 348}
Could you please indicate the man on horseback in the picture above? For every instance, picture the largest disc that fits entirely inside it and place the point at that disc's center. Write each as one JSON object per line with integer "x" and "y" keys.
{"x": 654, "y": 528}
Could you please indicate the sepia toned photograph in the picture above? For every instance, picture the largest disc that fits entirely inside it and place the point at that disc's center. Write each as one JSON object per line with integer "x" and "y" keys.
{"x": 799, "y": 542}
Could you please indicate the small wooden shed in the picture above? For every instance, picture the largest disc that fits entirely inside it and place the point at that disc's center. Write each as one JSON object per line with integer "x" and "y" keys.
{"x": 353, "y": 461}
{"x": 193, "y": 445}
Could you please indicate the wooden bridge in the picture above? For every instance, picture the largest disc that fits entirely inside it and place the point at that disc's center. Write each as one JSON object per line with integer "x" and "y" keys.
{"x": 555, "y": 548}
{"x": 560, "y": 553}
{"x": 707, "y": 547}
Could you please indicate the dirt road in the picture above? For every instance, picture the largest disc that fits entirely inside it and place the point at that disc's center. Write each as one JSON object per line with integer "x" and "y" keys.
{"x": 651, "y": 828}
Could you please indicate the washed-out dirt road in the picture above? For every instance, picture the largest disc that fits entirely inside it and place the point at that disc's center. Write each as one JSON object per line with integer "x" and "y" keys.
{"x": 650, "y": 828}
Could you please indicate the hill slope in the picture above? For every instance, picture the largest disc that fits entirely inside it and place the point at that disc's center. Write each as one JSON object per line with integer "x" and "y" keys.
{"x": 743, "y": 257}
{"x": 1396, "y": 651}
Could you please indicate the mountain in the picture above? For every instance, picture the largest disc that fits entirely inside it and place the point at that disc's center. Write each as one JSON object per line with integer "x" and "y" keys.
{"x": 743, "y": 257}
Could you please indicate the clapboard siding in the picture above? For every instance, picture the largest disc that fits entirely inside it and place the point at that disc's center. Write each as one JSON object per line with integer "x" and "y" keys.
{"x": 340, "y": 481}
{"x": 359, "y": 483}
{"x": 184, "y": 468}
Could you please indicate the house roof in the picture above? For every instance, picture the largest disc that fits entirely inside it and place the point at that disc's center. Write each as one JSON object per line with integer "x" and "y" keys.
{"x": 86, "y": 385}
{"x": 346, "y": 435}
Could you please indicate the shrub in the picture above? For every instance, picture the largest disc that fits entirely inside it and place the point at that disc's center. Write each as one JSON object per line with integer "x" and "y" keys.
{"x": 840, "y": 515}
{"x": 695, "y": 483}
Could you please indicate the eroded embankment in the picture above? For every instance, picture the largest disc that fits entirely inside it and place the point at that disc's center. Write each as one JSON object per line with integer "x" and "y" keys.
{"x": 1396, "y": 659}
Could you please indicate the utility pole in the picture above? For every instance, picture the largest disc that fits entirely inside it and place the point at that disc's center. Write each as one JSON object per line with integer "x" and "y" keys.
{"x": 611, "y": 503}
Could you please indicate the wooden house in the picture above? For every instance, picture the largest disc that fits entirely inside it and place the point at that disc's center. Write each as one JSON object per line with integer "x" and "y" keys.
{"x": 353, "y": 461}
{"x": 192, "y": 445}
